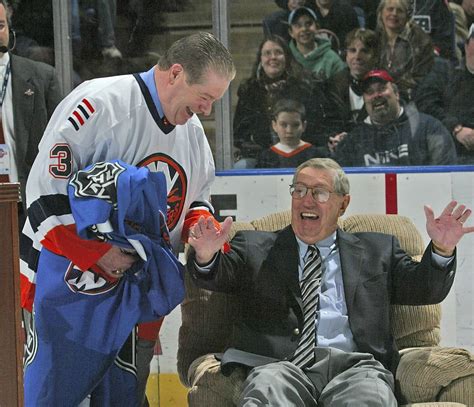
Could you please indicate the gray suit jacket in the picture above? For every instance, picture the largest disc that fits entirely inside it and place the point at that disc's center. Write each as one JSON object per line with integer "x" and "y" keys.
{"x": 35, "y": 95}
{"x": 263, "y": 268}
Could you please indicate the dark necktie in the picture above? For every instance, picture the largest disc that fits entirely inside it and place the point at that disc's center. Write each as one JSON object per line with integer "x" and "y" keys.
{"x": 312, "y": 271}
{"x": 3, "y": 177}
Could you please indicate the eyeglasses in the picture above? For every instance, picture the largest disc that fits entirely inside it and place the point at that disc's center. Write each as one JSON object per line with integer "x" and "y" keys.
{"x": 321, "y": 195}
{"x": 272, "y": 53}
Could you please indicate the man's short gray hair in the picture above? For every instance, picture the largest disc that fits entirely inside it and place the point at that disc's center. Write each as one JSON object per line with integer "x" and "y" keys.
{"x": 198, "y": 53}
{"x": 341, "y": 182}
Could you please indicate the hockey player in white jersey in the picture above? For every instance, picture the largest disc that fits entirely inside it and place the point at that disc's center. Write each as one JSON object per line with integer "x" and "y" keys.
{"x": 146, "y": 119}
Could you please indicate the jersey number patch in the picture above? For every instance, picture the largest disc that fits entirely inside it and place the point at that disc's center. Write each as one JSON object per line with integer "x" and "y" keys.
{"x": 61, "y": 161}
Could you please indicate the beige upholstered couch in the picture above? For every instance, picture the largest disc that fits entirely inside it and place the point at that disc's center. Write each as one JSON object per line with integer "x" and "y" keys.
{"x": 429, "y": 375}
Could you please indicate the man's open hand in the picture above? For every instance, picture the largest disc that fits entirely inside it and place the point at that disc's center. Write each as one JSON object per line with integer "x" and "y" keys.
{"x": 447, "y": 230}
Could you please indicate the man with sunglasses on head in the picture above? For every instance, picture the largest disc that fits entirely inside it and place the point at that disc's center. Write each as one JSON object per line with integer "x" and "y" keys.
{"x": 315, "y": 328}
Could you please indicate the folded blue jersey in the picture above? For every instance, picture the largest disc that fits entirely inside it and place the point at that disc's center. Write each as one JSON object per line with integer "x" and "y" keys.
{"x": 81, "y": 319}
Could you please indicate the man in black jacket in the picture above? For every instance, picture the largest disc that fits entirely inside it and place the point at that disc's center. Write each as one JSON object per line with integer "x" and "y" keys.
{"x": 362, "y": 275}
{"x": 394, "y": 134}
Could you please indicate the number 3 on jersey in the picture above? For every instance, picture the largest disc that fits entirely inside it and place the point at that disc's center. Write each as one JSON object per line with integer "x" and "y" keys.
{"x": 60, "y": 161}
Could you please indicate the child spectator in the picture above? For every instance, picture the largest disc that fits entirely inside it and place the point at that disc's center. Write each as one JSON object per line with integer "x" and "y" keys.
{"x": 275, "y": 76}
{"x": 313, "y": 53}
{"x": 289, "y": 124}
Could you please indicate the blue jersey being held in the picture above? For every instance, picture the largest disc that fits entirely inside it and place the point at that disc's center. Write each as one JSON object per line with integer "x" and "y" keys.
{"x": 82, "y": 319}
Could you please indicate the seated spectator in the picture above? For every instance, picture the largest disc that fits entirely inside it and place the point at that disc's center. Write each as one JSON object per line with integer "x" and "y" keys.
{"x": 460, "y": 106}
{"x": 345, "y": 87}
{"x": 337, "y": 16}
{"x": 311, "y": 52}
{"x": 314, "y": 328}
{"x": 276, "y": 22}
{"x": 289, "y": 123}
{"x": 394, "y": 134}
{"x": 406, "y": 51}
{"x": 275, "y": 76}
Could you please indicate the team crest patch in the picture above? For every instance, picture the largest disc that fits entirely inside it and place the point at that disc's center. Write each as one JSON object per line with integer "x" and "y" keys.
{"x": 98, "y": 182}
{"x": 87, "y": 282}
{"x": 81, "y": 114}
{"x": 176, "y": 181}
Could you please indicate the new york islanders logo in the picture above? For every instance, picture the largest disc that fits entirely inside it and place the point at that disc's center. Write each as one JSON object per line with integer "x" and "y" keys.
{"x": 176, "y": 181}
{"x": 87, "y": 282}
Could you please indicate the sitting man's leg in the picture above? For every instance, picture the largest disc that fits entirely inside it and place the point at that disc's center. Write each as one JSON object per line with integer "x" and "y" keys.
{"x": 336, "y": 379}
{"x": 278, "y": 384}
{"x": 347, "y": 379}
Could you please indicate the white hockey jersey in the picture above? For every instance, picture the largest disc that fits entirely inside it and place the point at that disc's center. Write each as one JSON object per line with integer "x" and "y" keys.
{"x": 101, "y": 120}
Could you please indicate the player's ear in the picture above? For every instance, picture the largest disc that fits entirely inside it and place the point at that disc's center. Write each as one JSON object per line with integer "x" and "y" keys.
{"x": 175, "y": 71}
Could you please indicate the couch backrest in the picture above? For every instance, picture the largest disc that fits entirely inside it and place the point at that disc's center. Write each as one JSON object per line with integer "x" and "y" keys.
{"x": 207, "y": 317}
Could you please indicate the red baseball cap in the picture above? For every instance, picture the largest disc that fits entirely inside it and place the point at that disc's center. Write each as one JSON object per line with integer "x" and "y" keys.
{"x": 376, "y": 75}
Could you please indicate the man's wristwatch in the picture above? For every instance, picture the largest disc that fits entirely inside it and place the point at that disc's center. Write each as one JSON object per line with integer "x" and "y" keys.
{"x": 457, "y": 129}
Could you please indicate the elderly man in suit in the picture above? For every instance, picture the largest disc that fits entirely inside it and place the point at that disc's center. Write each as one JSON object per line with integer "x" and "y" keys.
{"x": 316, "y": 329}
{"x": 29, "y": 93}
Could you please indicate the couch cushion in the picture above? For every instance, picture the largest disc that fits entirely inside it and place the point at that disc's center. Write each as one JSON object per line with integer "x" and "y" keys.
{"x": 205, "y": 373}
{"x": 400, "y": 226}
{"x": 273, "y": 222}
{"x": 414, "y": 326}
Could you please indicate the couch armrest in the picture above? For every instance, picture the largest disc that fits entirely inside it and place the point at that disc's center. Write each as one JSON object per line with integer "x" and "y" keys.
{"x": 460, "y": 390}
{"x": 425, "y": 373}
{"x": 209, "y": 387}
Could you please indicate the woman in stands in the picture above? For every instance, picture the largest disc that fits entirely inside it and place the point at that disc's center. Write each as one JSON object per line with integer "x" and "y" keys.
{"x": 275, "y": 76}
{"x": 406, "y": 51}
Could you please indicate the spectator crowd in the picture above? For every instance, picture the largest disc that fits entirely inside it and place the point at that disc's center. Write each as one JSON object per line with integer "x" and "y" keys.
{"x": 367, "y": 83}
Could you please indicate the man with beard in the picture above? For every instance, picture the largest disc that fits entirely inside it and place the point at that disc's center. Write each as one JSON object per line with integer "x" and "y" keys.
{"x": 394, "y": 134}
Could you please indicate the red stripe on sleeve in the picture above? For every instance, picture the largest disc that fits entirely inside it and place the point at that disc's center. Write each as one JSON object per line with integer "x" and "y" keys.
{"x": 89, "y": 106}
{"x": 78, "y": 117}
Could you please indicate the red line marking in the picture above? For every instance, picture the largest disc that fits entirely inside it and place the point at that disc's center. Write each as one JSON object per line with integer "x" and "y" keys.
{"x": 391, "y": 198}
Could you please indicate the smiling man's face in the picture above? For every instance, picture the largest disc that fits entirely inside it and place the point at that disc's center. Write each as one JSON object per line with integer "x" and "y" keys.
{"x": 311, "y": 220}
{"x": 186, "y": 99}
{"x": 382, "y": 102}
